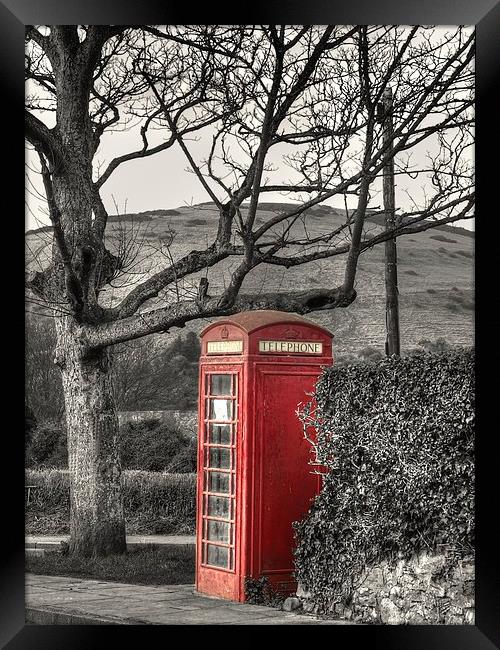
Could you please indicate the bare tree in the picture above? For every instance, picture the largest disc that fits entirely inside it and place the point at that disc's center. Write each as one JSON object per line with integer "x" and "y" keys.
{"x": 303, "y": 95}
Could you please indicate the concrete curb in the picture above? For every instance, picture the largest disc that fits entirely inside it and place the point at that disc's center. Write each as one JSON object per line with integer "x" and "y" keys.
{"x": 52, "y": 616}
{"x": 44, "y": 545}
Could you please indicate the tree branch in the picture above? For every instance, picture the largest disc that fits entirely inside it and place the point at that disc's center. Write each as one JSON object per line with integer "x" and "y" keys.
{"x": 191, "y": 263}
{"x": 44, "y": 42}
{"x": 161, "y": 320}
{"x": 42, "y": 138}
{"x": 73, "y": 285}
{"x": 141, "y": 153}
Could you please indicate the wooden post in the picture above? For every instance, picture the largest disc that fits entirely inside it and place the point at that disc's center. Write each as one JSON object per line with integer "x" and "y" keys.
{"x": 392, "y": 346}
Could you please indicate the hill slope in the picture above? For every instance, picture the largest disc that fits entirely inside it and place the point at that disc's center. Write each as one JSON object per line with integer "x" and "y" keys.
{"x": 435, "y": 270}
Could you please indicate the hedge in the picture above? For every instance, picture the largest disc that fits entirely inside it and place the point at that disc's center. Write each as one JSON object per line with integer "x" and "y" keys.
{"x": 396, "y": 442}
{"x": 154, "y": 502}
{"x": 151, "y": 444}
{"x": 160, "y": 493}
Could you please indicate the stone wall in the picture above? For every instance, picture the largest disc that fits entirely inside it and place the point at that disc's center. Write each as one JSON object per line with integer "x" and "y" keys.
{"x": 187, "y": 420}
{"x": 428, "y": 589}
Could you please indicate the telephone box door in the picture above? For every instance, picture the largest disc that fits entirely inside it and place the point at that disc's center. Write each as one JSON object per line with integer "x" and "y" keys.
{"x": 219, "y": 454}
{"x": 285, "y": 478}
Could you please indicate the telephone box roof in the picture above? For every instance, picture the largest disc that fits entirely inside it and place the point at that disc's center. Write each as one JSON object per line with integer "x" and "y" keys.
{"x": 249, "y": 321}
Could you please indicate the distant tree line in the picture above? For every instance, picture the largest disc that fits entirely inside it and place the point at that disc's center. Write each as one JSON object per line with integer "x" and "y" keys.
{"x": 146, "y": 376}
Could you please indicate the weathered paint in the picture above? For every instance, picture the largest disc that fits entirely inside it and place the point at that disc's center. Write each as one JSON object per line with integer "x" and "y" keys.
{"x": 274, "y": 482}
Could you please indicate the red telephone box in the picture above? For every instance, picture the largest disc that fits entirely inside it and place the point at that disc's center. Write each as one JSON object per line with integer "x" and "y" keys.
{"x": 254, "y": 476}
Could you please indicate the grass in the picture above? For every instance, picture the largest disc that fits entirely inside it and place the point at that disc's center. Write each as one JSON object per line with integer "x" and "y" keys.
{"x": 148, "y": 565}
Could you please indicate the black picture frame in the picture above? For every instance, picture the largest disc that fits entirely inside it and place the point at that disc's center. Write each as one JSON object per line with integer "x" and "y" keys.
{"x": 485, "y": 15}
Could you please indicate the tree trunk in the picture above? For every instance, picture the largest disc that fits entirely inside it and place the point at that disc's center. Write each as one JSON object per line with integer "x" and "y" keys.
{"x": 97, "y": 525}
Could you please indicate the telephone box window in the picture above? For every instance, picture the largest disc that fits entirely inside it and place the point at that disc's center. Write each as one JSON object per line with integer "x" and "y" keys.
{"x": 220, "y": 384}
{"x": 217, "y": 482}
{"x": 219, "y": 466}
{"x": 218, "y": 556}
{"x": 219, "y": 530}
{"x": 219, "y": 458}
{"x": 220, "y": 433}
{"x": 218, "y": 507}
{"x": 221, "y": 409}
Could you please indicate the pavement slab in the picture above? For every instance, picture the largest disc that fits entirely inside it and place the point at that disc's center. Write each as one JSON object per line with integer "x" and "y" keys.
{"x": 60, "y": 600}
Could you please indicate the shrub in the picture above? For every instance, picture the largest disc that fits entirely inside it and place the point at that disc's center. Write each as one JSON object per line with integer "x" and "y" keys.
{"x": 439, "y": 345}
{"x": 156, "y": 445}
{"x": 344, "y": 358}
{"x": 396, "y": 438}
{"x": 52, "y": 490}
{"x": 259, "y": 591}
{"x": 158, "y": 494}
{"x": 461, "y": 299}
{"x": 48, "y": 446}
{"x": 153, "y": 445}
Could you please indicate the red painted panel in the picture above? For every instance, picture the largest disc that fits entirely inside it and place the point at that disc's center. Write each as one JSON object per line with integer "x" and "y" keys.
{"x": 275, "y": 483}
{"x": 287, "y": 484}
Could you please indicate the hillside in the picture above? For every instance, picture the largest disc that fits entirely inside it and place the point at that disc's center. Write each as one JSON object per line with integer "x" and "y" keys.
{"x": 435, "y": 273}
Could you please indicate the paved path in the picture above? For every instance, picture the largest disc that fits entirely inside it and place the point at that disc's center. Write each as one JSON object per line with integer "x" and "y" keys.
{"x": 73, "y": 601}
{"x": 48, "y": 541}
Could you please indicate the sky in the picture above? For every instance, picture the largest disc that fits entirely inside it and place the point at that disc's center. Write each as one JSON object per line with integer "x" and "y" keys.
{"x": 163, "y": 181}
